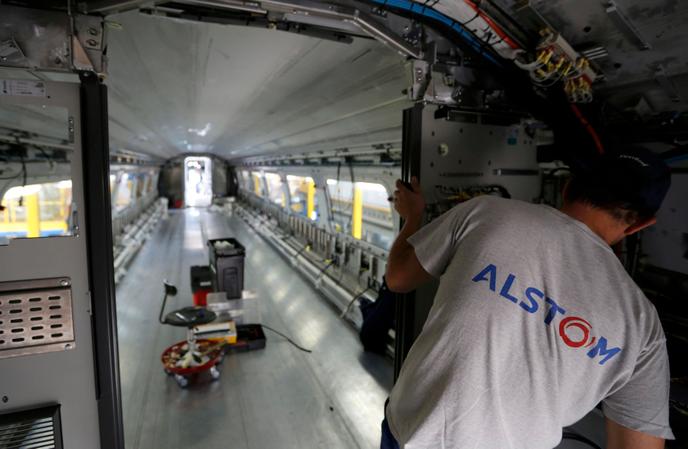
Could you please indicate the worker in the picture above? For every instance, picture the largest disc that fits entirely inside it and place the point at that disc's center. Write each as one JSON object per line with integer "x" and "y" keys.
{"x": 535, "y": 320}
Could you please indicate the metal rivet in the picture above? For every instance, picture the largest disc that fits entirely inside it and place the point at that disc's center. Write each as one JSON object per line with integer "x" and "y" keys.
{"x": 64, "y": 282}
{"x": 92, "y": 31}
{"x": 68, "y": 346}
{"x": 92, "y": 42}
{"x": 5, "y": 399}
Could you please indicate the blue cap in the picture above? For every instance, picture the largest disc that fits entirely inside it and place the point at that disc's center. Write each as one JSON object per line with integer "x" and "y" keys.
{"x": 635, "y": 176}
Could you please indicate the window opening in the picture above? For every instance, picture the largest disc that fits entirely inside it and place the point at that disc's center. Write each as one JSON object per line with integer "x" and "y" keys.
{"x": 276, "y": 193}
{"x": 36, "y": 210}
{"x": 36, "y": 148}
{"x": 257, "y": 186}
{"x": 362, "y": 210}
{"x": 303, "y": 200}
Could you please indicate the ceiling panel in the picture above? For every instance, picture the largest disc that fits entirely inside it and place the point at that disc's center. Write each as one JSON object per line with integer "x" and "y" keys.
{"x": 178, "y": 87}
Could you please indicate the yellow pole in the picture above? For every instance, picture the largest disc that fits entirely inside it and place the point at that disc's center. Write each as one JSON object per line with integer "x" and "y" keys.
{"x": 310, "y": 199}
{"x": 256, "y": 185}
{"x": 357, "y": 214}
{"x": 63, "y": 204}
{"x": 33, "y": 216}
{"x": 284, "y": 200}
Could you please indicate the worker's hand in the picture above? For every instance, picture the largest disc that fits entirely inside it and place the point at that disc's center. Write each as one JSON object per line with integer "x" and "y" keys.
{"x": 409, "y": 202}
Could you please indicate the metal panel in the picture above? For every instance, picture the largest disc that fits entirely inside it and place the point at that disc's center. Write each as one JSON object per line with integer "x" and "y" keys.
{"x": 35, "y": 317}
{"x": 468, "y": 150}
{"x": 48, "y": 40}
{"x": 65, "y": 377}
{"x": 39, "y": 428}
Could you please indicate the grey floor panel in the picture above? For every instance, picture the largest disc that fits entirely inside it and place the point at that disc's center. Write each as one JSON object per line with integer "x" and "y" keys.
{"x": 279, "y": 397}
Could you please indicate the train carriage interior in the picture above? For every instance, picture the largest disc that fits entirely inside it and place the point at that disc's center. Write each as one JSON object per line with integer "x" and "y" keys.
{"x": 196, "y": 198}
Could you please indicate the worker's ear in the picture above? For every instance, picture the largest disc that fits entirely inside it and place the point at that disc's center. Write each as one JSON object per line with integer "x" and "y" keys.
{"x": 640, "y": 225}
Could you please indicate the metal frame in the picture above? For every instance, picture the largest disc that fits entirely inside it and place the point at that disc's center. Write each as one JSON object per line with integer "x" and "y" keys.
{"x": 96, "y": 165}
{"x": 68, "y": 42}
{"x": 404, "y": 331}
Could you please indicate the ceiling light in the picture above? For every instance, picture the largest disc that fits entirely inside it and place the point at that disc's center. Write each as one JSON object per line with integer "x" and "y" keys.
{"x": 201, "y": 132}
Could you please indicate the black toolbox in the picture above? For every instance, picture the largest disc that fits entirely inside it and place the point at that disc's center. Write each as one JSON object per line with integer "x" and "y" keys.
{"x": 249, "y": 337}
{"x": 201, "y": 278}
{"x": 227, "y": 265}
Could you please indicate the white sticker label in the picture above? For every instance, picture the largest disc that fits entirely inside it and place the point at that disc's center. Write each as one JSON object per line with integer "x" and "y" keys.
{"x": 22, "y": 88}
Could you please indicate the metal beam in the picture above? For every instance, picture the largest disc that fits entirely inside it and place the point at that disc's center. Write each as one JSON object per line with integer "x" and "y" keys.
{"x": 106, "y": 7}
{"x": 626, "y": 26}
{"x": 226, "y": 4}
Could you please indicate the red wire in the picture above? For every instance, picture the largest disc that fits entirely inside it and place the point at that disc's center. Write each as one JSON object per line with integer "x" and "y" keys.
{"x": 497, "y": 29}
{"x": 586, "y": 124}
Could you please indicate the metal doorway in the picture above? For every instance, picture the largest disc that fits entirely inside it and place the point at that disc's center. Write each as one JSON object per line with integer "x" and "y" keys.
{"x": 198, "y": 181}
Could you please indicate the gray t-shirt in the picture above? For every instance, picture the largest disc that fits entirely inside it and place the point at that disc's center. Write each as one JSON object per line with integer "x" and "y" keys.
{"x": 534, "y": 323}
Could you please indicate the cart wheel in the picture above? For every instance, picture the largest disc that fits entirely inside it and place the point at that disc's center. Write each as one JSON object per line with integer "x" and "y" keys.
{"x": 214, "y": 372}
{"x": 182, "y": 381}
{"x": 220, "y": 359}
{"x": 168, "y": 372}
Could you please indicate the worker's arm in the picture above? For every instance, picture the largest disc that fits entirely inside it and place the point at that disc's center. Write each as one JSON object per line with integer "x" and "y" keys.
{"x": 620, "y": 437}
{"x": 404, "y": 271}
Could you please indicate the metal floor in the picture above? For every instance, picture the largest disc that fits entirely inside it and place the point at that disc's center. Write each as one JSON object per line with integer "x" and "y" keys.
{"x": 278, "y": 397}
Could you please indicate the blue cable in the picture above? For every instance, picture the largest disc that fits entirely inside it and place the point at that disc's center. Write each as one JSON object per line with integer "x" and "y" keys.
{"x": 676, "y": 159}
{"x": 431, "y": 13}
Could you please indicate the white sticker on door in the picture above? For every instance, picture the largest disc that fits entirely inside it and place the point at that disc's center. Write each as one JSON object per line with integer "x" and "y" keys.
{"x": 22, "y": 88}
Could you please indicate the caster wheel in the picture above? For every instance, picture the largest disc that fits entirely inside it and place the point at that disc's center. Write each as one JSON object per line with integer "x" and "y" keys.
{"x": 215, "y": 373}
{"x": 220, "y": 360}
{"x": 182, "y": 381}
{"x": 168, "y": 372}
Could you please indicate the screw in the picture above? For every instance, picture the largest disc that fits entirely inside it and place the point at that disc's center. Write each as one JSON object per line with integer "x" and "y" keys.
{"x": 64, "y": 282}
{"x": 68, "y": 346}
{"x": 93, "y": 32}
{"x": 5, "y": 399}
{"x": 4, "y": 58}
{"x": 92, "y": 42}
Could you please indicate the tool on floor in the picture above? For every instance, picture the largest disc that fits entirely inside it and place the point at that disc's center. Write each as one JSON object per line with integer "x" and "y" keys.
{"x": 187, "y": 358}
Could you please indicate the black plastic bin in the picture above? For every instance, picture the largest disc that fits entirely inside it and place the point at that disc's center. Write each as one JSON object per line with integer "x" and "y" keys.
{"x": 227, "y": 265}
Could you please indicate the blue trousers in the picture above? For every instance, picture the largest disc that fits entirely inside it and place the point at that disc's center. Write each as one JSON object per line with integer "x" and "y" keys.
{"x": 388, "y": 441}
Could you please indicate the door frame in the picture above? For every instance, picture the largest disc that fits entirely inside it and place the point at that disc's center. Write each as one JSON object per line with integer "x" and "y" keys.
{"x": 96, "y": 166}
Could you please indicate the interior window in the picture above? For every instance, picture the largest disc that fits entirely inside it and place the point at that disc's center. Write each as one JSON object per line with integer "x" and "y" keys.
{"x": 36, "y": 210}
{"x": 125, "y": 188}
{"x": 302, "y": 198}
{"x": 275, "y": 191}
{"x": 377, "y": 225}
{"x": 152, "y": 181}
{"x": 257, "y": 186}
{"x": 35, "y": 171}
{"x": 142, "y": 179}
{"x": 362, "y": 209}
{"x": 341, "y": 196}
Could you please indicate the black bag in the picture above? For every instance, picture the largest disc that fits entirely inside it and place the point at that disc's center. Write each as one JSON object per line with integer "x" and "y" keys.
{"x": 378, "y": 319}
